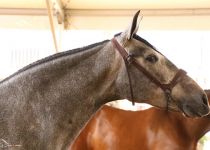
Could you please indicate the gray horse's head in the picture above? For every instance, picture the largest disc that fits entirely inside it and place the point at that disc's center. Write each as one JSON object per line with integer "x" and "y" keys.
{"x": 185, "y": 95}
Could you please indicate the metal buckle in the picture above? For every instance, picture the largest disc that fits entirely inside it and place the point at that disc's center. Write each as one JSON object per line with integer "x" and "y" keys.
{"x": 129, "y": 59}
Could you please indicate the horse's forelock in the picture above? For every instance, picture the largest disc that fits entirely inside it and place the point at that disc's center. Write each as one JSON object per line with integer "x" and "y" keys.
{"x": 137, "y": 37}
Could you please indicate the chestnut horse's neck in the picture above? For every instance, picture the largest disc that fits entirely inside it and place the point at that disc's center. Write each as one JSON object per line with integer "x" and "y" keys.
{"x": 147, "y": 129}
{"x": 192, "y": 129}
{"x": 197, "y": 127}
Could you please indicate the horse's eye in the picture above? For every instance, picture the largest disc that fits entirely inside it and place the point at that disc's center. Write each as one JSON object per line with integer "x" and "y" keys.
{"x": 151, "y": 58}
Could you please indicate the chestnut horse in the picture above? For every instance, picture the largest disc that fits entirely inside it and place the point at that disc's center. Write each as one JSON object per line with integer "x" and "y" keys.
{"x": 44, "y": 105}
{"x": 151, "y": 129}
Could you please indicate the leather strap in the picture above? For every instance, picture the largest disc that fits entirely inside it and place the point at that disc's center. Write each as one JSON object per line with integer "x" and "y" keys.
{"x": 128, "y": 59}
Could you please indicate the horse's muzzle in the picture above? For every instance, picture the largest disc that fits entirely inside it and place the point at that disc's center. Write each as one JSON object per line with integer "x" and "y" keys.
{"x": 196, "y": 108}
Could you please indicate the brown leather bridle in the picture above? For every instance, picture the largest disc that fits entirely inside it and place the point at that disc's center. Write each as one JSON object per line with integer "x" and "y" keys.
{"x": 128, "y": 59}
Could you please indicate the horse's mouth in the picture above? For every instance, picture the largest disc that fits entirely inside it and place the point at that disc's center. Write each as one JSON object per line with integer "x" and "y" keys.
{"x": 190, "y": 115}
{"x": 190, "y": 112}
{"x": 185, "y": 112}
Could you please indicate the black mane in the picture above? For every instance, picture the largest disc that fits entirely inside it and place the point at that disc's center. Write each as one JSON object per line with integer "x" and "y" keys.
{"x": 54, "y": 56}
{"x": 70, "y": 52}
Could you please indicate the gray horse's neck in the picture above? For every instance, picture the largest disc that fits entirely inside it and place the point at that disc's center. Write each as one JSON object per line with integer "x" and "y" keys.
{"x": 53, "y": 99}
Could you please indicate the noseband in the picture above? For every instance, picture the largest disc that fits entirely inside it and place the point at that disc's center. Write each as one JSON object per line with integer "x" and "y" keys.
{"x": 129, "y": 59}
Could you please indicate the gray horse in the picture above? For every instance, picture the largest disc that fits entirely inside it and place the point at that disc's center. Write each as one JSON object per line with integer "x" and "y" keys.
{"x": 44, "y": 105}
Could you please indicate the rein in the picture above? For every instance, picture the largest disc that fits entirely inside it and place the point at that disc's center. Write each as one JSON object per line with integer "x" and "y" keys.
{"x": 129, "y": 59}
{"x": 5, "y": 145}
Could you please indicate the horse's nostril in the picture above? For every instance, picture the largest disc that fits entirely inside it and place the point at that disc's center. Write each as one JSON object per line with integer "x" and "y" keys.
{"x": 205, "y": 100}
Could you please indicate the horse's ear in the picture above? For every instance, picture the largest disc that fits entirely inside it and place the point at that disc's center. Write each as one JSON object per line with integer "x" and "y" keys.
{"x": 133, "y": 28}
